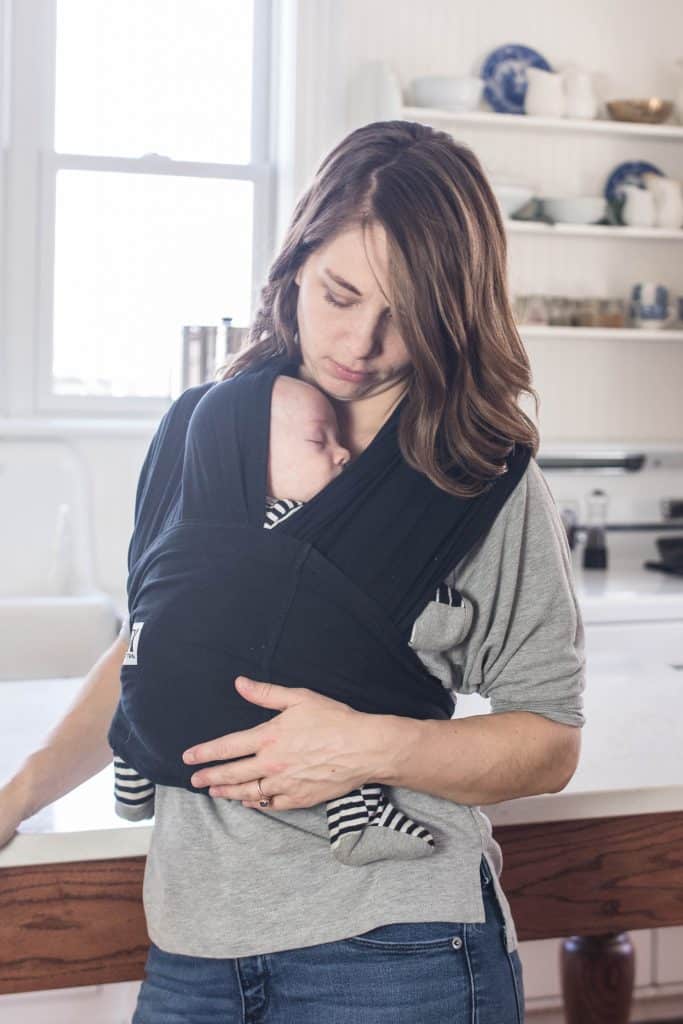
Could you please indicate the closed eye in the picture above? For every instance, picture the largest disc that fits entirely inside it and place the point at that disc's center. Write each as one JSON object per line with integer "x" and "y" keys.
{"x": 347, "y": 305}
{"x": 331, "y": 299}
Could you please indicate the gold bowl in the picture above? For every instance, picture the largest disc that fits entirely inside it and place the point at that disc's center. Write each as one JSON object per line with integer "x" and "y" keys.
{"x": 652, "y": 110}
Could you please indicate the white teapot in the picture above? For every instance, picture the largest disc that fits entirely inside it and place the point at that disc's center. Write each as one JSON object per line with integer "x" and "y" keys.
{"x": 581, "y": 100}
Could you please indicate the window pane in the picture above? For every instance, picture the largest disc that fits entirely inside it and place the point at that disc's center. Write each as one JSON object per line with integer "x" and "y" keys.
{"x": 155, "y": 76}
{"x": 136, "y": 257}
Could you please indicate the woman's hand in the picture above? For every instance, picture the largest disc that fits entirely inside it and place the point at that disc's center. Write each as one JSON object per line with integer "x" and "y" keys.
{"x": 317, "y": 748}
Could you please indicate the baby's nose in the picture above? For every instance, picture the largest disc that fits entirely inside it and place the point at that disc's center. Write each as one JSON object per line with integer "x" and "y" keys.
{"x": 343, "y": 457}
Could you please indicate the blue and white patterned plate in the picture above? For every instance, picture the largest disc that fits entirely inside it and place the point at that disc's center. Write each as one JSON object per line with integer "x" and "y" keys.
{"x": 504, "y": 74}
{"x": 628, "y": 173}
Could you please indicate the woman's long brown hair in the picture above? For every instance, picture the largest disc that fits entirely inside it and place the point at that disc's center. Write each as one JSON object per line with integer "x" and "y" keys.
{"x": 447, "y": 270}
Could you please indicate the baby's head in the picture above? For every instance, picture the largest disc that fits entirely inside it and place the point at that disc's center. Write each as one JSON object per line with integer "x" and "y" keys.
{"x": 304, "y": 450}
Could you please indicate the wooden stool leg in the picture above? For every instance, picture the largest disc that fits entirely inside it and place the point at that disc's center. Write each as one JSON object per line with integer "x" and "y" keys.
{"x": 597, "y": 974}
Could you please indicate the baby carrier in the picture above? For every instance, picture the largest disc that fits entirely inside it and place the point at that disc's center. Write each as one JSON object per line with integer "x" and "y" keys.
{"x": 325, "y": 601}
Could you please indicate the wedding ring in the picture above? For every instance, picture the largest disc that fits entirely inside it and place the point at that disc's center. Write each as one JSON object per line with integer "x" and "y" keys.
{"x": 265, "y": 800}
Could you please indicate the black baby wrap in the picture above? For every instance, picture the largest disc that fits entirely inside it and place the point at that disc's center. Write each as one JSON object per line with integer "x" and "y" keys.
{"x": 326, "y": 600}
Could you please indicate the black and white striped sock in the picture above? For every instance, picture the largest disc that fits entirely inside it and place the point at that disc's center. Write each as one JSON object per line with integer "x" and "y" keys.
{"x": 133, "y": 794}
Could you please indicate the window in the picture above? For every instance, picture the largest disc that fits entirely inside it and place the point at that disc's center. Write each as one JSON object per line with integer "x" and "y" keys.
{"x": 150, "y": 124}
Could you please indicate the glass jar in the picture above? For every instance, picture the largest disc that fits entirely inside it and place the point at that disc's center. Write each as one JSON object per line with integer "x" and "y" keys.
{"x": 536, "y": 310}
{"x": 518, "y": 306}
{"x": 559, "y": 311}
{"x": 613, "y": 313}
{"x": 588, "y": 312}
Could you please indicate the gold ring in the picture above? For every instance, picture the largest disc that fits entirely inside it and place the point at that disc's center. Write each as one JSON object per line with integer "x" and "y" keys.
{"x": 265, "y": 800}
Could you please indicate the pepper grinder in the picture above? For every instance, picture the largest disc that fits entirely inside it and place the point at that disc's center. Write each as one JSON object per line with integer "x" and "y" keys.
{"x": 595, "y": 551}
{"x": 198, "y": 355}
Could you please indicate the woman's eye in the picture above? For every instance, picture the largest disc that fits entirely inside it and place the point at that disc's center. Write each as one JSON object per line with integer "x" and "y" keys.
{"x": 313, "y": 441}
{"x": 330, "y": 298}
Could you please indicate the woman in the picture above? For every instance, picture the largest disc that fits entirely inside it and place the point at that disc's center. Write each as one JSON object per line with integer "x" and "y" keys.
{"x": 391, "y": 279}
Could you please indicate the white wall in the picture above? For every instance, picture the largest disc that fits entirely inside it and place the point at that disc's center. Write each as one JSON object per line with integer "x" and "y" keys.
{"x": 590, "y": 390}
{"x": 115, "y": 465}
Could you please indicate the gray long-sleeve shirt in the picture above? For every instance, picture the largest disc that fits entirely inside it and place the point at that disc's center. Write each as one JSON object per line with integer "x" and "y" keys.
{"x": 223, "y": 880}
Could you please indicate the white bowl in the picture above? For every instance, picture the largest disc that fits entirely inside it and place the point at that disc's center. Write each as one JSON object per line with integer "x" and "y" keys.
{"x": 512, "y": 198}
{"x": 575, "y": 209}
{"x": 447, "y": 92}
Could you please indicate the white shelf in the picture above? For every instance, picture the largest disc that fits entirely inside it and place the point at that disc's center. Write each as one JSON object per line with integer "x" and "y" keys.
{"x": 530, "y": 227}
{"x": 621, "y": 333}
{"x": 490, "y": 119}
{"x": 87, "y": 426}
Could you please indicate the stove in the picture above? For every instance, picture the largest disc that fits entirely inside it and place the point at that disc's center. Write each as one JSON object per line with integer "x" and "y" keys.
{"x": 642, "y": 492}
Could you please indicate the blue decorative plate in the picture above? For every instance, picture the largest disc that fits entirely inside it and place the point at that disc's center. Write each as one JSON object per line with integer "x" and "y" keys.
{"x": 628, "y": 173}
{"x": 504, "y": 74}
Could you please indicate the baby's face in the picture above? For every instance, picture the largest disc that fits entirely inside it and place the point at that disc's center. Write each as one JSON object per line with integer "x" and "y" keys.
{"x": 305, "y": 453}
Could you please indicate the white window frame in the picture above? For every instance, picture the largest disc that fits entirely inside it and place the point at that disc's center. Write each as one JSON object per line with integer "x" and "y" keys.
{"x": 27, "y": 205}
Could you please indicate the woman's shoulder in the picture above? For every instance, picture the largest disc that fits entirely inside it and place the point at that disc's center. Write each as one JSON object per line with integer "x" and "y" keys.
{"x": 519, "y": 581}
{"x": 492, "y": 560}
{"x": 528, "y": 507}
{"x": 527, "y": 542}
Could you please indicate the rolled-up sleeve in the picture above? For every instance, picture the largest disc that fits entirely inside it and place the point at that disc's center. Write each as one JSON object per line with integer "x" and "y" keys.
{"x": 525, "y": 650}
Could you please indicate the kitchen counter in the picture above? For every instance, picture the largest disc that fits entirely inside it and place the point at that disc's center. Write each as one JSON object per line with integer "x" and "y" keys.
{"x": 629, "y": 594}
{"x": 593, "y": 862}
{"x": 630, "y": 759}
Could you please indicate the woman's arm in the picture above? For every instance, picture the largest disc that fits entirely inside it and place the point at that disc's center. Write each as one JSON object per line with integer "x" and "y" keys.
{"x": 73, "y": 751}
{"x": 482, "y": 759}
{"x": 525, "y": 652}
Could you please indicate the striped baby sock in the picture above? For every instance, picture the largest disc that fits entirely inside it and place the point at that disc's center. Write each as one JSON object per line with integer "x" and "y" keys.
{"x": 133, "y": 794}
{"x": 364, "y": 826}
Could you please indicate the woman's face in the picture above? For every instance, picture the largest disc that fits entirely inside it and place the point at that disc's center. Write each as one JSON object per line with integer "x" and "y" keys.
{"x": 350, "y": 327}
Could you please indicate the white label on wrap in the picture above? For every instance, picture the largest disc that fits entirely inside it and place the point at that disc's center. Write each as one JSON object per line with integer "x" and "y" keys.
{"x": 131, "y": 657}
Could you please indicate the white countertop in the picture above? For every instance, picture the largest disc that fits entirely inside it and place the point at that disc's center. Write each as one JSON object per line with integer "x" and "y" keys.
{"x": 629, "y": 593}
{"x": 631, "y": 744}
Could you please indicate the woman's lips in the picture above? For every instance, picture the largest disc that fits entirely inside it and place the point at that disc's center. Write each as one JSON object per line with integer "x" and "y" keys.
{"x": 346, "y": 374}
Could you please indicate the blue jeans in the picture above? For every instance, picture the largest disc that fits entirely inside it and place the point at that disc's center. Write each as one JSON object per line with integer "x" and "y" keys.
{"x": 412, "y": 973}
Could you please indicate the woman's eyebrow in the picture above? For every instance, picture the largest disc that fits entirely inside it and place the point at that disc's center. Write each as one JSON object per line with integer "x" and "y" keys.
{"x": 341, "y": 282}
{"x": 346, "y": 284}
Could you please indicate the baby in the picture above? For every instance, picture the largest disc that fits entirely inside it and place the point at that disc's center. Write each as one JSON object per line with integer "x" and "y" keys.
{"x": 304, "y": 456}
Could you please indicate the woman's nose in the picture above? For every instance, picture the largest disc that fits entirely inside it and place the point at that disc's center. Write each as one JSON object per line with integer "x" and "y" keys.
{"x": 365, "y": 339}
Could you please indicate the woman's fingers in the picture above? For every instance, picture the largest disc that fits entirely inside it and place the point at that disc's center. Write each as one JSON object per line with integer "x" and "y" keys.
{"x": 229, "y": 774}
{"x": 233, "y": 744}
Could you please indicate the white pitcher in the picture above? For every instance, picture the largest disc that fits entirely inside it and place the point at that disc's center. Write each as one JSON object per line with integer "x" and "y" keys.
{"x": 580, "y": 98}
{"x": 668, "y": 199}
{"x": 639, "y": 209}
{"x": 544, "y": 94}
